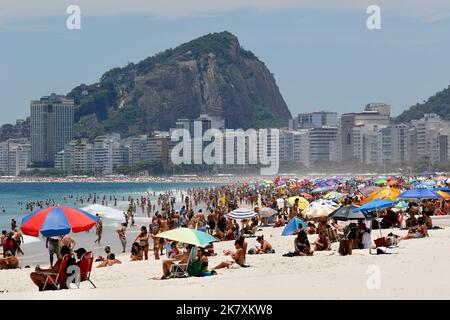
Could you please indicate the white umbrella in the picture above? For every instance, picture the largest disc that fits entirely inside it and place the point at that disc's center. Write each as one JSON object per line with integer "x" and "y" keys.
{"x": 242, "y": 214}
{"x": 267, "y": 212}
{"x": 319, "y": 211}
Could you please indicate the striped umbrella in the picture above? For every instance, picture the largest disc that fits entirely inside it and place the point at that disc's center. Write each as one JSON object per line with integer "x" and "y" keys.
{"x": 57, "y": 221}
{"x": 189, "y": 236}
{"x": 242, "y": 214}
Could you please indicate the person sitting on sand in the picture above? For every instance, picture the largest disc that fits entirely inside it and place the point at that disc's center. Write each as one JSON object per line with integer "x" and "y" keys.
{"x": 322, "y": 243}
{"x": 265, "y": 246}
{"x": 173, "y": 251}
{"x": 136, "y": 252}
{"x": 238, "y": 257}
{"x": 301, "y": 244}
{"x": 280, "y": 222}
{"x": 39, "y": 277}
{"x": 311, "y": 228}
{"x": 199, "y": 268}
{"x": 416, "y": 232}
{"x": 110, "y": 261}
{"x": 9, "y": 262}
{"x": 182, "y": 258}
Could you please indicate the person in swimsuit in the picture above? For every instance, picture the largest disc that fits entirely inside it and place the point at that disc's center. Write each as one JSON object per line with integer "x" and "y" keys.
{"x": 238, "y": 257}
{"x": 99, "y": 229}
{"x": 416, "y": 232}
{"x": 122, "y": 236}
{"x": 110, "y": 261}
{"x": 301, "y": 244}
{"x": 155, "y": 227}
{"x": 142, "y": 238}
{"x": 136, "y": 252}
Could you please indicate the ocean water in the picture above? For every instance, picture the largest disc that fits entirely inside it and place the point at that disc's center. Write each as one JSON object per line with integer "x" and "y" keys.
{"x": 14, "y": 196}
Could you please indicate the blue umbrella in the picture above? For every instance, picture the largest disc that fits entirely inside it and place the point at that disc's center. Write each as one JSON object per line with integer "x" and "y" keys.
{"x": 376, "y": 204}
{"x": 293, "y": 226}
{"x": 419, "y": 194}
{"x": 445, "y": 189}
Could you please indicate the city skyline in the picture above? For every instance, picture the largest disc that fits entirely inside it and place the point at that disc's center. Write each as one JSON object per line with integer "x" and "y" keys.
{"x": 402, "y": 64}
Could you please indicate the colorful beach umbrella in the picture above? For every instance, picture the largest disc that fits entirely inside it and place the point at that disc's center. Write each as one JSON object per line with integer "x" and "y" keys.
{"x": 292, "y": 226}
{"x": 242, "y": 214}
{"x": 381, "y": 181}
{"x": 302, "y": 202}
{"x": 57, "y": 221}
{"x": 189, "y": 236}
{"x": 443, "y": 194}
{"x": 383, "y": 193}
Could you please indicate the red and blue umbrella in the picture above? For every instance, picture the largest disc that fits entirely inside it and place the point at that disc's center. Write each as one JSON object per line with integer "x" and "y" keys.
{"x": 57, "y": 221}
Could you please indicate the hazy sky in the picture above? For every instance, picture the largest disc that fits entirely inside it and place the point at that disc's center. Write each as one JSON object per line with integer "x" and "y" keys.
{"x": 321, "y": 52}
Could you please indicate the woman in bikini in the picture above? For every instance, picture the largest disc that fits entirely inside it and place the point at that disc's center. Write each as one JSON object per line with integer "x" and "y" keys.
{"x": 417, "y": 232}
{"x": 142, "y": 238}
{"x": 238, "y": 257}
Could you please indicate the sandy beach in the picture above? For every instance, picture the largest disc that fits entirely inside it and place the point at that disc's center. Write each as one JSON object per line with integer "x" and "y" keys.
{"x": 417, "y": 269}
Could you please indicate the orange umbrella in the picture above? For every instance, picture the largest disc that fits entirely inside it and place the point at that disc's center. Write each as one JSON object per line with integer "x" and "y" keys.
{"x": 383, "y": 193}
{"x": 443, "y": 194}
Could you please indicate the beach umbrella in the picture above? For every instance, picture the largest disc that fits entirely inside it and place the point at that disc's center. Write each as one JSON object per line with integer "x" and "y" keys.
{"x": 333, "y": 195}
{"x": 383, "y": 193}
{"x": 292, "y": 226}
{"x": 376, "y": 204}
{"x": 381, "y": 181}
{"x": 445, "y": 189}
{"x": 419, "y": 194}
{"x": 346, "y": 213}
{"x": 322, "y": 202}
{"x": 242, "y": 214}
{"x": 302, "y": 202}
{"x": 319, "y": 211}
{"x": 267, "y": 212}
{"x": 368, "y": 190}
{"x": 57, "y": 221}
{"x": 443, "y": 194}
{"x": 429, "y": 183}
{"x": 401, "y": 205}
{"x": 189, "y": 236}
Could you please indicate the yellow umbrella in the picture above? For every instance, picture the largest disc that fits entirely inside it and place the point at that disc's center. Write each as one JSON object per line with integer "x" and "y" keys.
{"x": 443, "y": 194}
{"x": 302, "y": 202}
{"x": 383, "y": 193}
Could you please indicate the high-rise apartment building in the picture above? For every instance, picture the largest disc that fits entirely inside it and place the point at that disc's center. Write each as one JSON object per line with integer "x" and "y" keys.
{"x": 52, "y": 120}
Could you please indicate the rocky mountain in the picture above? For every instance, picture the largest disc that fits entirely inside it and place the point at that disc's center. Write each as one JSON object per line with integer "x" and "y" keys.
{"x": 212, "y": 74}
{"x": 438, "y": 103}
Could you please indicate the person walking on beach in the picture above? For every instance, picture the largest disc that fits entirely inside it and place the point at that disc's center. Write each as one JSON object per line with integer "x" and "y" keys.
{"x": 122, "y": 236}
{"x": 18, "y": 237}
{"x": 99, "y": 229}
{"x": 52, "y": 244}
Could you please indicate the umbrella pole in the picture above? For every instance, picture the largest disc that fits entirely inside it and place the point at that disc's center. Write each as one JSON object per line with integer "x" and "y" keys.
{"x": 379, "y": 223}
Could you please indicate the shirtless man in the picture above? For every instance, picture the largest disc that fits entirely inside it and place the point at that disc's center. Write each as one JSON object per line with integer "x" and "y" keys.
{"x": 265, "y": 246}
{"x": 9, "y": 262}
{"x": 238, "y": 257}
{"x": 109, "y": 261}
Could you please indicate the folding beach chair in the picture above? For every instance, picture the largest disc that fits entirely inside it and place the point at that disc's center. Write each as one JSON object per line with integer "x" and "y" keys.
{"x": 57, "y": 278}
{"x": 179, "y": 269}
{"x": 86, "y": 263}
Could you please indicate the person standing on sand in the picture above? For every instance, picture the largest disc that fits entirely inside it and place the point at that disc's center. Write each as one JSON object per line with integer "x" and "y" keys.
{"x": 122, "y": 236}
{"x": 52, "y": 244}
{"x": 99, "y": 229}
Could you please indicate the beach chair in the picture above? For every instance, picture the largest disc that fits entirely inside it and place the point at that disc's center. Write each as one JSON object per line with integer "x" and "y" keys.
{"x": 179, "y": 269}
{"x": 86, "y": 263}
{"x": 58, "y": 278}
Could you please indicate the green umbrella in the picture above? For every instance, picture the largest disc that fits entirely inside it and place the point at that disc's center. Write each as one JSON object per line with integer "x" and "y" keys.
{"x": 189, "y": 236}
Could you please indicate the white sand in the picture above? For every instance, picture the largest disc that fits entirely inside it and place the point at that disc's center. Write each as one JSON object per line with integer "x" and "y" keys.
{"x": 418, "y": 269}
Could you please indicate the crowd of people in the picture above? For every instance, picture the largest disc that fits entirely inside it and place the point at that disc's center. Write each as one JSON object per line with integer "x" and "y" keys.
{"x": 206, "y": 209}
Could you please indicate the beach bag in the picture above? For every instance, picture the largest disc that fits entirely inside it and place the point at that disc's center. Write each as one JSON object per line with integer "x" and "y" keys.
{"x": 345, "y": 247}
{"x": 194, "y": 268}
{"x": 381, "y": 242}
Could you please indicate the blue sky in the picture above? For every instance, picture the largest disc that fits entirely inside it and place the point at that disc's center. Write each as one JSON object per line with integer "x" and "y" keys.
{"x": 322, "y": 58}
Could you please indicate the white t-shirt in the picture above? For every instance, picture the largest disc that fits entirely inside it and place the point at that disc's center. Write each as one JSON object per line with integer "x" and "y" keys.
{"x": 280, "y": 203}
